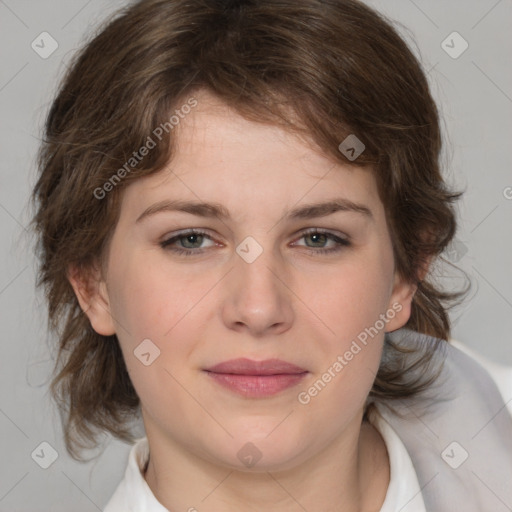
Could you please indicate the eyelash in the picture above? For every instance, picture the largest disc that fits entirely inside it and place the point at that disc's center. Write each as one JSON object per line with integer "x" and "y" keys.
{"x": 342, "y": 242}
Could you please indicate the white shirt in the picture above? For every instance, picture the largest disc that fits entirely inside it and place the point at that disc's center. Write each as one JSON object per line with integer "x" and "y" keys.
{"x": 404, "y": 494}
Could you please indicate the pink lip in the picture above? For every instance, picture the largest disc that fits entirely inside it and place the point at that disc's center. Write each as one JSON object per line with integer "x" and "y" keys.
{"x": 256, "y": 378}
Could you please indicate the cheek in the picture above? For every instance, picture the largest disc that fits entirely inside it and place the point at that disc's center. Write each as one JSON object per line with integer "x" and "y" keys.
{"x": 155, "y": 302}
{"x": 151, "y": 315}
{"x": 350, "y": 359}
{"x": 353, "y": 295}
{"x": 148, "y": 300}
{"x": 355, "y": 298}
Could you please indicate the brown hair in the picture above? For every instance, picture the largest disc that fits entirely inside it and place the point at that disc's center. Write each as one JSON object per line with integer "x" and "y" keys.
{"x": 323, "y": 68}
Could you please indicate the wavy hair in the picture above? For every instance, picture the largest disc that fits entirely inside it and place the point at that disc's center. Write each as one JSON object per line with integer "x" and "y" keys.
{"x": 324, "y": 69}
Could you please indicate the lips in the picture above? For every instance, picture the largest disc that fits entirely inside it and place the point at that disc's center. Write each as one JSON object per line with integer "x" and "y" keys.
{"x": 244, "y": 366}
{"x": 256, "y": 379}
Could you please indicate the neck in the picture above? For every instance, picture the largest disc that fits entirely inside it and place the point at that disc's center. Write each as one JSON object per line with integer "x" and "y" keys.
{"x": 350, "y": 474}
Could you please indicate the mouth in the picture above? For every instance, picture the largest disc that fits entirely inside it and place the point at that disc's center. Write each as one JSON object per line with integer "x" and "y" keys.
{"x": 256, "y": 379}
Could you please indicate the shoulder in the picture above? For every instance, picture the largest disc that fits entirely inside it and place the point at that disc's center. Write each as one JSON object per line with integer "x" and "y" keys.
{"x": 500, "y": 374}
{"x": 464, "y": 415}
{"x": 455, "y": 372}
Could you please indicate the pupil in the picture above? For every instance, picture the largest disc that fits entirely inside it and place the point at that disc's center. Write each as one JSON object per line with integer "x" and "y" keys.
{"x": 315, "y": 236}
{"x": 190, "y": 238}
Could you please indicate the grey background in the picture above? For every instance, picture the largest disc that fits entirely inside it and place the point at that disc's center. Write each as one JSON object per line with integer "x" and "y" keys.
{"x": 474, "y": 92}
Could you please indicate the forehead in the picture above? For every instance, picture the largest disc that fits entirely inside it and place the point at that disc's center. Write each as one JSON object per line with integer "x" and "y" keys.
{"x": 251, "y": 167}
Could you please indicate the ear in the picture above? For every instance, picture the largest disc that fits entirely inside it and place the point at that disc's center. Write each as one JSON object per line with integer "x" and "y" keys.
{"x": 91, "y": 292}
{"x": 401, "y": 297}
{"x": 400, "y": 303}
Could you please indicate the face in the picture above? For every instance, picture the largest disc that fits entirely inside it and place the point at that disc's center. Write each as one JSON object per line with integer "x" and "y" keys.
{"x": 303, "y": 294}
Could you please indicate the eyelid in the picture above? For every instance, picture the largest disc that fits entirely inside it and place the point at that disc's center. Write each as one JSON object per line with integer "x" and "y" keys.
{"x": 166, "y": 239}
{"x": 326, "y": 231}
{"x": 186, "y": 231}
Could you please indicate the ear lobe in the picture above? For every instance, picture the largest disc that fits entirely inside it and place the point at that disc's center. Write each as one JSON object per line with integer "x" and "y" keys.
{"x": 91, "y": 292}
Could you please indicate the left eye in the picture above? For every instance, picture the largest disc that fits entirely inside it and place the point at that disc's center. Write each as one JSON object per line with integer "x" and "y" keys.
{"x": 191, "y": 241}
{"x": 321, "y": 237}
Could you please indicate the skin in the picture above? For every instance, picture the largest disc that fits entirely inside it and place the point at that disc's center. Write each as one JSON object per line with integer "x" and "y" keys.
{"x": 291, "y": 303}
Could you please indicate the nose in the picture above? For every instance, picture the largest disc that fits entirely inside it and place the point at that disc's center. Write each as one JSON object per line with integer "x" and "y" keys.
{"x": 258, "y": 300}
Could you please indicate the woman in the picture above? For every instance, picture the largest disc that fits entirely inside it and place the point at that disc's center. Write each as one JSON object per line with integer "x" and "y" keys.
{"x": 239, "y": 205}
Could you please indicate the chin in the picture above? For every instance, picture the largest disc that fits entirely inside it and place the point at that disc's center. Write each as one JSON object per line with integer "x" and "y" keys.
{"x": 262, "y": 452}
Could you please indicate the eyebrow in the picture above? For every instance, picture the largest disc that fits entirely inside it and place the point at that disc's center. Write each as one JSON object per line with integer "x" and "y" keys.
{"x": 218, "y": 211}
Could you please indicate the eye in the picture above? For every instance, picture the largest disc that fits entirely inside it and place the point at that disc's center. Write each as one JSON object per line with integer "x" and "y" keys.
{"x": 190, "y": 241}
{"x": 321, "y": 237}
